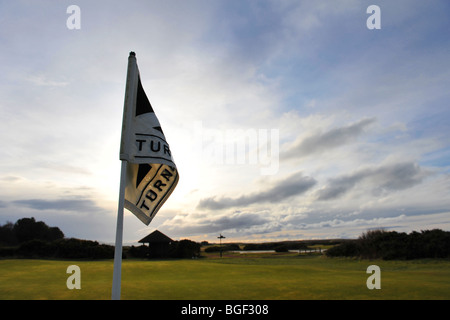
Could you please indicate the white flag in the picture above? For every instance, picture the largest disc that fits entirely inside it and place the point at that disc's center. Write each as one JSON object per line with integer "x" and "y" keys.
{"x": 151, "y": 171}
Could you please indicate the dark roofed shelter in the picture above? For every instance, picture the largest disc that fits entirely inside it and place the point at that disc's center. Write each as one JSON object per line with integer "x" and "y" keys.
{"x": 158, "y": 244}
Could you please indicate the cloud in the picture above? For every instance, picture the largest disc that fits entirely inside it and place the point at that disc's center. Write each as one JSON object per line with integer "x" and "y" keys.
{"x": 74, "y": 205}
{"x": 77, "y": 216}
{"x": 200, "y": 223}
{"x": 300, "y": 67}
{"x": 385, "y": 178}
{"x": 11, "y": 178}
{"x": 43, "y": 81}
{"x": 294, "y": 185}
{"x": 331, "y": 139}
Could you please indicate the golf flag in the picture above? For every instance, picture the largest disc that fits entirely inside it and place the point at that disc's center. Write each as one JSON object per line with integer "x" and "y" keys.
{"x": 151, "y": 173}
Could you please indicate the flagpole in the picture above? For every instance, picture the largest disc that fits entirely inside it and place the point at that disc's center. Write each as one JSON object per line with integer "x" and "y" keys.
{"x": 130, "y": 99}
{"x": 117, "y": 274}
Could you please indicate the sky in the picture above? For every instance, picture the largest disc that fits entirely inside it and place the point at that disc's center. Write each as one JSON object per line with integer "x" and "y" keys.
{"x": 287, "y": 119}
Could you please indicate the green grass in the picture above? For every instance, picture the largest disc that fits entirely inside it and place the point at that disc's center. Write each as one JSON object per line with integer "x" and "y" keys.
{"x": 233, "y": 277}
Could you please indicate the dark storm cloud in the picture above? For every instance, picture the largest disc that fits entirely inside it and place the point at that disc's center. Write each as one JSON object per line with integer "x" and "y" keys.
{"x": 295, "y": 184}
{"x": 327, "y": 140}
{"x": 392, "y": 177}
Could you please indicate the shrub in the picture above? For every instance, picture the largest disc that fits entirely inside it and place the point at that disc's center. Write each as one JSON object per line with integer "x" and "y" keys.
{"x": 83, "y": 249}
{"x": 227, "y": 247}
{"x": 345, "y": 249}
{"x": 36, "y": 248}
{"x": 138, "y": 252}
{"x": 381, "y": 244}
{"x": 282, "y": 248}
{"x": 7, "y": 235}
{"x": 185, "y": 249}
{"x": 27, "y": 229}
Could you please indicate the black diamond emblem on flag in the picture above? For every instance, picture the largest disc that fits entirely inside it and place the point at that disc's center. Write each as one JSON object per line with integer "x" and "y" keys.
{"x": 143, "y": 170}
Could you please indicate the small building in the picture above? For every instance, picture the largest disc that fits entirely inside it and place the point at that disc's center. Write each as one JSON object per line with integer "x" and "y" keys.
{"x": 158, "y": 243}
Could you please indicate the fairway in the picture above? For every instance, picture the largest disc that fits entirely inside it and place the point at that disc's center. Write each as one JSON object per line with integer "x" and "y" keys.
{"x": 236, "y": 278}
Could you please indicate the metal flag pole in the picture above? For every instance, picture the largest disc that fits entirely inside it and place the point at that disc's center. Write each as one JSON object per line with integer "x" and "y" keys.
{"x": 117, "y": 273}
{"x": 130, "y": 99}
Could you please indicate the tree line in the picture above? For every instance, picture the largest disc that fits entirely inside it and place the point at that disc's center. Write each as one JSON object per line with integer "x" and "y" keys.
{"x": 27, "y": 229}
{"x": 28, "y": 238}
{"x": 390, "y": 245}
{"x": 176, "y": 249}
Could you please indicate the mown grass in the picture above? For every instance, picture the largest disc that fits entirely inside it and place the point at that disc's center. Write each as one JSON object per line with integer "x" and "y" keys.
{"x": 234, "y": 277}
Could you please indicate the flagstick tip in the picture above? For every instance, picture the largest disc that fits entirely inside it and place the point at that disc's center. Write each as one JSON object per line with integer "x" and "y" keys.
{"x": 132, "y": 53}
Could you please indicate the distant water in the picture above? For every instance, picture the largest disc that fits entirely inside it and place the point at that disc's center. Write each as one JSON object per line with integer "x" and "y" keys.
{"x": 269, "y": 251}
